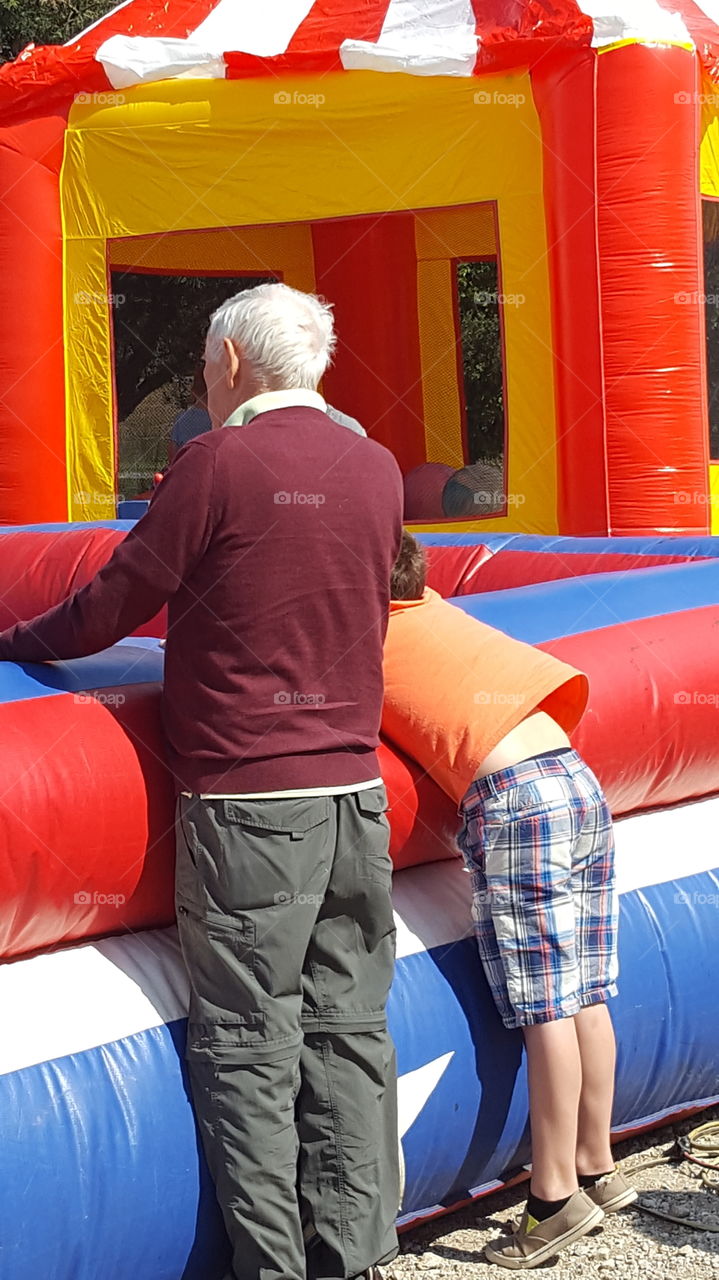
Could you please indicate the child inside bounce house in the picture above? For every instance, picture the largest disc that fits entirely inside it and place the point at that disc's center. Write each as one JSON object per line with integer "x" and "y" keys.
{"x": 491, "y": 728}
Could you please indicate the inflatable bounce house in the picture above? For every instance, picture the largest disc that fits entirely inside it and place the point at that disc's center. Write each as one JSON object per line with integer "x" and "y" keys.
{"x": 371, "y": 152}
{"x": 376, "y": 152}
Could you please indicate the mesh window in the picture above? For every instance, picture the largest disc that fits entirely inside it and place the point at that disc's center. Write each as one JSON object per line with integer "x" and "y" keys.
{"x": 159, "y": 324}
{"x": 478, "y": 488}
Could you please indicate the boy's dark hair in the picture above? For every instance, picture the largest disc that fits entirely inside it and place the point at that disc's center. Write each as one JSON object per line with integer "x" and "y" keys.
{"x": 409, "y": 574}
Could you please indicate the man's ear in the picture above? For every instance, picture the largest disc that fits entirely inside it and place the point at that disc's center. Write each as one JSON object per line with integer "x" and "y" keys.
{"x": 232, "y": 361}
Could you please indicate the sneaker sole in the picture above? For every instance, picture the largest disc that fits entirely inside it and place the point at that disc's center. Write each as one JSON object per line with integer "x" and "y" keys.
{"x": 539, "y": 1256}
{"x": 621, "y": 1201}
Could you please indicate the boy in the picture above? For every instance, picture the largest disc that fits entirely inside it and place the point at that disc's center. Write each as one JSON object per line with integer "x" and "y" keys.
{"x": 487, "y": 717}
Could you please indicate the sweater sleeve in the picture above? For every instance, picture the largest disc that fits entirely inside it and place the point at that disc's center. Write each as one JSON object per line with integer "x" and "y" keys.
{"x": 142, "y": 574}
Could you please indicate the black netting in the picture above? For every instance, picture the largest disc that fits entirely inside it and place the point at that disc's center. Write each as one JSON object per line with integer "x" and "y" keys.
{"x": 159, "y": 326}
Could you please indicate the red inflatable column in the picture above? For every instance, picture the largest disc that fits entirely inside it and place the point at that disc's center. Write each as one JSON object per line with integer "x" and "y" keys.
{"x": 564, "y": 93}
{"x": 368, "y": 268}
{"x": 651, "y": 289}
{"x": 33, "y": 469}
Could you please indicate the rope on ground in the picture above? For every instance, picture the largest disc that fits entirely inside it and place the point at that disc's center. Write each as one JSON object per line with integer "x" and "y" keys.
{"x": 699, "y": 1147}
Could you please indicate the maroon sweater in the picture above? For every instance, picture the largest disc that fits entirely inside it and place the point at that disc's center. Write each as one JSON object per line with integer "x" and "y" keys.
{"x": 273, "y": 544}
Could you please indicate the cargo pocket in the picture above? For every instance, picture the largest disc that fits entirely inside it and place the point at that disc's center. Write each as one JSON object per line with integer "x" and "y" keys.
{"x": 226, "y": 1001}
{"x": 293, "y": 816}
{"x": 259, "y": 853}
{"x": 372, "y": 802}
{"x": 372, "y": 847}
{"x": 247, "y": 942}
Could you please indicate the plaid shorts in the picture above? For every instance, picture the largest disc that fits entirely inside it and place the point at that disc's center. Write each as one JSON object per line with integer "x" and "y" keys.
{"x": 538, "y": 841}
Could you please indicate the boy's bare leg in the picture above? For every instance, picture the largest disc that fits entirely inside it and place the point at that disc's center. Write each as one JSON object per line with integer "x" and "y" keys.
{"x": 597, "y": 1050}
{"x": 554, "y": 1071}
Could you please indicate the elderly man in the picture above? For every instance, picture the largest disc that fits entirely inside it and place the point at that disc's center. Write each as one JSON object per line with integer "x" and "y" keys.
{"x": 273, "y": 540}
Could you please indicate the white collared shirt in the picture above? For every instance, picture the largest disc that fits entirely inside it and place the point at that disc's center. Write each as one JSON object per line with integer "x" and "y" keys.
{"x": 264, "y": 401}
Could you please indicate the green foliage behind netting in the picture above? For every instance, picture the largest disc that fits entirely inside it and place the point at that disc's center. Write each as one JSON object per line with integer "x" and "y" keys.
{"x": 477, "y": 289}
{"x": 159, "y": 326}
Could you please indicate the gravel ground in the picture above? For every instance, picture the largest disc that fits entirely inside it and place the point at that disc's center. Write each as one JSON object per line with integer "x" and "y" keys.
{"x": 629, "y": 1244}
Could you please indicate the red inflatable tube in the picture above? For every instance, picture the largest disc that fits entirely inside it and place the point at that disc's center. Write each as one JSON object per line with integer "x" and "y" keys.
{"x": 86, "y": 810}
{"x": 38, "y": 570}
{"x": 564, "y": 87}
{"x": 456, "y": 571}
{"x": 87, "y": 817}
{"x": 33, "y": 470}
{"x": 650, "y": 731}
{"x": 652, "y": 283}
{"x": 423, "y": 821}
{"x": 466, "y": 570}
{"x": 523, "y": 568}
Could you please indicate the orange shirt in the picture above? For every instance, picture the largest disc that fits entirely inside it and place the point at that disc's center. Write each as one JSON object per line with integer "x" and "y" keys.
{"x": 454, "y": 687}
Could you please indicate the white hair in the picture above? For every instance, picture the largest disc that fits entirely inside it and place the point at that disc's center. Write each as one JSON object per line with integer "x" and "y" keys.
{"x": 287, "y": 336}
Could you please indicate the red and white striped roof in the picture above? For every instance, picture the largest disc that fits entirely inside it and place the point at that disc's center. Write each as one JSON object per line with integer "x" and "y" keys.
{"x": 149, "y": 40}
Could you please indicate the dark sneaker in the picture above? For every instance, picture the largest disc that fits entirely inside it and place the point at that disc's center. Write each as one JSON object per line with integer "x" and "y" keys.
{"x": 612, "y": 1192}
{"x": 535, "y": 1242}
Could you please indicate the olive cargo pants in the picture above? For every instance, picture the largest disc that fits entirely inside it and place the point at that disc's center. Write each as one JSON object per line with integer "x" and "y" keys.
{"x": 286, "y": 927}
